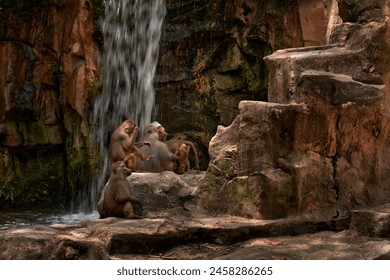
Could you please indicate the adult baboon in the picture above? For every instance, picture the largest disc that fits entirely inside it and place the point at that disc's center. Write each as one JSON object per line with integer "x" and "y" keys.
{"x": 118, "y": 195}
{"x": 123, "y": 147}
{"x": 161, "y": 158}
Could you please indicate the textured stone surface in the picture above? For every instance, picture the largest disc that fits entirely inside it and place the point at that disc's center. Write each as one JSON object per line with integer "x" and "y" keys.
{"x": 211, "y": 58}
{"x": 167, "y": 235}
{"x": 49, "y": 66}
{"x": 162, "y": 191}
{"x": 175, "y": 227}
{"x": 372, "y": 222}
{"x": 320, "y": 144}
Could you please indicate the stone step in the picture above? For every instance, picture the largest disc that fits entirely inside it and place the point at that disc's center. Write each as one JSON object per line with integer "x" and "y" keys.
{"x": 335, "y": 89}
{"x": 287, "y": 67}
{"x": 372, "y": 222}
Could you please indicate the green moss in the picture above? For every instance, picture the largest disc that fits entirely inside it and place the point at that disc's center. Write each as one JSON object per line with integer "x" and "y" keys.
{"x": 237, "y": 192}
{"x": 30, "y": 133}
{"x": 94, "y": 89}
{"x": 35, "y": 176}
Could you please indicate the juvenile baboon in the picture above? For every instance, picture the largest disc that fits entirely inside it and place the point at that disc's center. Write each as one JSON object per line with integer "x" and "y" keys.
{"x": 179, "y": 136}
{"x": 184, "y": 163}
{"x": 118, "y": 196}
{"x": 161, "y": 158}
{"x": 123, "y": 146}
{"x": 175, "y": 144}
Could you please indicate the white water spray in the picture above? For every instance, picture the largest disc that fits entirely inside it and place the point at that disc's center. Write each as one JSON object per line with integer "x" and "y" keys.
{"x": 131, "y": 31}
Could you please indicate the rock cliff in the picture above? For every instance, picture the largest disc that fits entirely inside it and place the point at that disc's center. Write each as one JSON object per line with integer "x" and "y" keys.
{"x": 49, "y": 69}
{"x": 321, "y": 143}
{"x": 211, "y": 58}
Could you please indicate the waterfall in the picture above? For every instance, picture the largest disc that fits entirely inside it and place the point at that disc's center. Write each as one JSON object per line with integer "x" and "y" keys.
{"x": 131, "y": 31}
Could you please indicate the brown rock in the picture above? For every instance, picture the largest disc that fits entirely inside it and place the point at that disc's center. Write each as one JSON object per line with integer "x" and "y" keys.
{"x": 372, "y": 222}
{"x": 318, "y": 146}
{"x": 173, "y": 236}
{"x": 161, "y": 191}
{"x": 207, "y": 67}
{"x": 48, "y": 66}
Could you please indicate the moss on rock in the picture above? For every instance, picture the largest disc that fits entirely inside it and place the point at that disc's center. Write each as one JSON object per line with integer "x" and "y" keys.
{"x": 35, "y": 176}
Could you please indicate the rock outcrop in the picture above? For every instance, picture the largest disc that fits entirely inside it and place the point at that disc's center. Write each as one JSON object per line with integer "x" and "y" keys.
{"x": 164, "y": 191}
{"x": 175, "y": 227}
{"x": 321, "y": 143}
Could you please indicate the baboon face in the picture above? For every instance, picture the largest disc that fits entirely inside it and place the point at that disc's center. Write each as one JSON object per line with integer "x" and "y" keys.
{"x": 120, "y": 166}
{"x": 156, "y": 127}
{"x": 129, "y": 127}
{"x": 152, "y": 134}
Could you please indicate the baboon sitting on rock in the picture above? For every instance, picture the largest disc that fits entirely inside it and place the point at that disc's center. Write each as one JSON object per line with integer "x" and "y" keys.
{"x": 118, "y": 198}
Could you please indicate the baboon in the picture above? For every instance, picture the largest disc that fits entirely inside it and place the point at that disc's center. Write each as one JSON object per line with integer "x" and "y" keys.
{"x": 162, "y": 135}
{"x": 179, "y": 136}
{"x": 118, "y": 196}
{"x": 161, "y": 158}
{"x": 175, "y": 144}
{"x": 184, "y": 164}
{"x": 123, "y": 147}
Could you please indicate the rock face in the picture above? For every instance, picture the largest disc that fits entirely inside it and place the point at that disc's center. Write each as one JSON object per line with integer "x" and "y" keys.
{"x": 320, "y": 145}
{"x": 211, "y": 57}
{"x": 48, "y": 69}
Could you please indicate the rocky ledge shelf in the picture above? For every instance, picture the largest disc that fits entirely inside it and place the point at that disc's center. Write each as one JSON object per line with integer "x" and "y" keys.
{"x": 175, "y": 226}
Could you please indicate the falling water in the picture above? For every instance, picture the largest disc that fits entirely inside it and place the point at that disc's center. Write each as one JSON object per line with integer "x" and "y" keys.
{"x": 131, "y": 31}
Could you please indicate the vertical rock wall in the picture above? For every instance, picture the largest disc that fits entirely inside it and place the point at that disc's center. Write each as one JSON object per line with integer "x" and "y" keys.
{"x": 212, "y": 57}
{"x": 48, "y": 70}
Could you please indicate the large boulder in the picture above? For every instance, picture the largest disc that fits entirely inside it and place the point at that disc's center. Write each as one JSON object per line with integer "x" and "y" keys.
{"x": 161, "y": 191}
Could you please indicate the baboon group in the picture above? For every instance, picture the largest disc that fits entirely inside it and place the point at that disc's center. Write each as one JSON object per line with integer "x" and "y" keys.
{"x": 152, "y": 153}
